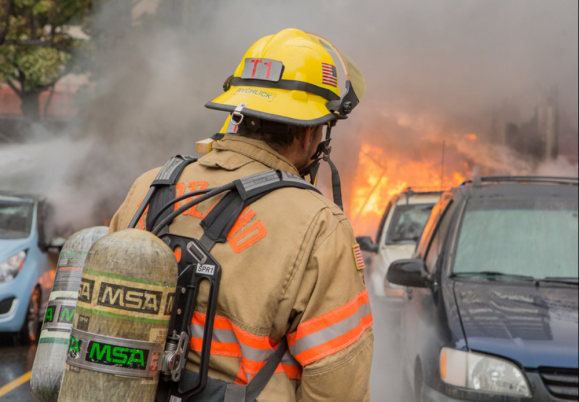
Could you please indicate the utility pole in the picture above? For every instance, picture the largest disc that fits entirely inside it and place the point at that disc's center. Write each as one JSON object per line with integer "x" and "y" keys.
{"x": 442, "y": 167}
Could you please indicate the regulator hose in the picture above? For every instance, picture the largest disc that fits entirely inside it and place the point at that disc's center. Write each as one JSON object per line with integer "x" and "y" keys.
{"x": 192, "y": 203}
{"x": 178, "y": 199}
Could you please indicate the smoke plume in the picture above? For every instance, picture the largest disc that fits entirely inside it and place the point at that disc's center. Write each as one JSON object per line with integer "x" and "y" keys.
{"x": 436, "y": 71}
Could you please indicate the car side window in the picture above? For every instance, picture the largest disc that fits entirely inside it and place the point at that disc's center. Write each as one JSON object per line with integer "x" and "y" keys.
{"x": 435, "y": 248}
{"x": 380, "y": 235}
{"x": 432, "y": 224}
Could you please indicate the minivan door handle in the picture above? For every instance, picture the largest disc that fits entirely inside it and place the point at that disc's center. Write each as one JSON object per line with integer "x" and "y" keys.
{"x": 410, "y": 293}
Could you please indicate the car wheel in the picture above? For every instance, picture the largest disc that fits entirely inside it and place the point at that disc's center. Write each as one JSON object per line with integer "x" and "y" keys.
{"x": 419, "y": 389}
{"x": 31, "y": 326}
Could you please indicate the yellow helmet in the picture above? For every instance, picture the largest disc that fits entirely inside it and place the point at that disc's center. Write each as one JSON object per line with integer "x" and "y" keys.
{"x": 291, "y": 78}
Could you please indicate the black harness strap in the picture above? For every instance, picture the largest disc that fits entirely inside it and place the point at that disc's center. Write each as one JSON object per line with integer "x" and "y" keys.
{"x": 164, "y": 185}
{"x": 220, "y": 220}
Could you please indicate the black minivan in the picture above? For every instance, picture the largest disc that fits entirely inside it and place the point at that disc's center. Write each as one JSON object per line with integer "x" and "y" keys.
{"x": 491, "y": 312}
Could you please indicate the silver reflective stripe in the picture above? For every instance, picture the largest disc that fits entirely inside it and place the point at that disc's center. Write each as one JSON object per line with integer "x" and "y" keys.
{"x": 290, "y": 177}
{"x": 260, "y": 180}
{"x": 116, "y": 356}
{"x": 228, "y": 336}
{"x": 249, "y": 353}
{"x": 62, "y": 315}
{"x": 289, "y": 360}
{"x": 169, "y": 168}
{"x": 332, "y": 332}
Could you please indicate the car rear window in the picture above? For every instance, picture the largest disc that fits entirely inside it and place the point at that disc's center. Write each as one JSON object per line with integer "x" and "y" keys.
{"x": 15, "y": 219}
{"x": 536, "y": 238}
{"x": 408, "y": 223}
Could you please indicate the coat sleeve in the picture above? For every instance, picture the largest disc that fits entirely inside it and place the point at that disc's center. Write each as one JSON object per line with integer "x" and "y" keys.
{"x": 332, "y": 334}
{"x": 129, "y": 207}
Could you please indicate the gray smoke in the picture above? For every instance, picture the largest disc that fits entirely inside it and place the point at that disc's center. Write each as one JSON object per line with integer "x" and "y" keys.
{"x": 436, "y": 71}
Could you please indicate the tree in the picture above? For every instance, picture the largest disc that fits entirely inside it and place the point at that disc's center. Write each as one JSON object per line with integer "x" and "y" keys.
{"x": 36, "y": 47}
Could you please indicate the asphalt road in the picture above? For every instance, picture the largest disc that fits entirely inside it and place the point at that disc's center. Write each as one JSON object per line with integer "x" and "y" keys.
{"x": 16, "y": 361}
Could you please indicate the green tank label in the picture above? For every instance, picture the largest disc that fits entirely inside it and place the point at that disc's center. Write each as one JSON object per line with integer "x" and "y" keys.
{"x": 111, "y": 355}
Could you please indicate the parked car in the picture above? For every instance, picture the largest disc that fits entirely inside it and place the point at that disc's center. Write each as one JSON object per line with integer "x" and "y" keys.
{"x": 491, "y": 312}
{"x": 26, "y": 269}
{"x": 398, "y": 234}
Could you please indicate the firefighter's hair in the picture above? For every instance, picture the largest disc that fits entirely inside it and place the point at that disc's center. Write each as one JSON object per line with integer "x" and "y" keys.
{"x": 278, "y": 136}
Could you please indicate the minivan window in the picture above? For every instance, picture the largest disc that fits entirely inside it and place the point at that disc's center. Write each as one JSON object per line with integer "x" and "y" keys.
{"x": 15, "y": 219}
{"x": 537, "y": 238}
{"x": 408, "y": 223}
{"x": 436, "y": 244}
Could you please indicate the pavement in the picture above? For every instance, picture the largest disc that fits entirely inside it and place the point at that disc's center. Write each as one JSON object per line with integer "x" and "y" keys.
{"x": 16, "y": 361}
{"x": 15, "y": 365}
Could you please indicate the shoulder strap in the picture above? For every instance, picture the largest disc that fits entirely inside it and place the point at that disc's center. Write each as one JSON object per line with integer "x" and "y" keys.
{"x": 250, "y": 392}
{"x": 164, "y": 185}
{"x": 218, "y": 223}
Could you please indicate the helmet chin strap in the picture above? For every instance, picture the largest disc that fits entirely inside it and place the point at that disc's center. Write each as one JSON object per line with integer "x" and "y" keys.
{"x": 323, "y": 153}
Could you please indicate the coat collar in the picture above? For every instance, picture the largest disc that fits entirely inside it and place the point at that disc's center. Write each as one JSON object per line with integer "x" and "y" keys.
{"x": 253, "y": 149}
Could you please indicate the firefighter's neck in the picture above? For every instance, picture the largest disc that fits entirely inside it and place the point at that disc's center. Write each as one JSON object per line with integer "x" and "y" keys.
{"x": 303, "y": 148}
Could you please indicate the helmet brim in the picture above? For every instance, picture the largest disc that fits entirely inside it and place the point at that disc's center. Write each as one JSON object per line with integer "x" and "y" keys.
{"x": 277, "y": 105}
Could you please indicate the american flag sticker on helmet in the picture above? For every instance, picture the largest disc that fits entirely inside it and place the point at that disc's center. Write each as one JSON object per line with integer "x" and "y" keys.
{"x": 329, "y": 75}
{"x": 360, "y": 265}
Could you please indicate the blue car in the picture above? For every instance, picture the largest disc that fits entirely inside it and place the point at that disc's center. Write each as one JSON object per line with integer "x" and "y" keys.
{"x": 27, "y": 269}
{"x": 491, "y": 311}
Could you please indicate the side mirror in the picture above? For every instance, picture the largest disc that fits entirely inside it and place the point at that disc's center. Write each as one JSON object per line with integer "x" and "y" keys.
{"x": 408, "y": 273}
{"x": 56, "y": 244}
{"x": 367, "y": 244}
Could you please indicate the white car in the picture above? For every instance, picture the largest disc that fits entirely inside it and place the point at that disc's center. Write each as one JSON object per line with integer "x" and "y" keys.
{"x": 399, "y": 232}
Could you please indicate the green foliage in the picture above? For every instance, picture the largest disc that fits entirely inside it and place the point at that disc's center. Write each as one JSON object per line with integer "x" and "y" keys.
{"x": 36, "y": 45}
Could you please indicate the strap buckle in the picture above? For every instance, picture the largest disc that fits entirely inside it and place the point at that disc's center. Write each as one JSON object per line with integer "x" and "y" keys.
{"x": 237, "y": 113}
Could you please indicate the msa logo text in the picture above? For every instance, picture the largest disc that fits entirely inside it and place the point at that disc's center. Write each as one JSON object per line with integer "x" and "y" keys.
{"x": 86, "y": 290}
{"x": 206, "y": 269}
{"x": 129, "y": 299}
{"x": 112, "y": 355}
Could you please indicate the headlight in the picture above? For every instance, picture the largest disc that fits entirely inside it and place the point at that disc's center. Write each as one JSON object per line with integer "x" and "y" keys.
{"x": 482, "y": 373}
{"x": 11, "y": 267}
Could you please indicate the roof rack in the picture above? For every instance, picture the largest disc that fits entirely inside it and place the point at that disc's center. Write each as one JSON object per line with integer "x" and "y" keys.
{"x": 478, "y": 181}
{"x": 424, "y": 190}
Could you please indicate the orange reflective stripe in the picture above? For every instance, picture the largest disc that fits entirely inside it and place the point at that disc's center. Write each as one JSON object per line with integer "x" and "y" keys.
{"x": 293, "y": 372}
{"x": 142, "y": 221}
{"x": 230, "y": 340}
{"x": 331, "y": 332}
{"x": 335, "y": 345}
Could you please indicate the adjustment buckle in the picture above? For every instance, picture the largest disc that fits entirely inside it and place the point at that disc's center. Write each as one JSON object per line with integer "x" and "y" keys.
{"x": 237, "y": 113}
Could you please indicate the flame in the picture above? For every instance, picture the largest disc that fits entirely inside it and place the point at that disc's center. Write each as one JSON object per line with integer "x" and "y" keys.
{"x": 471, "y": 137}
{"x": 380, "y": 176}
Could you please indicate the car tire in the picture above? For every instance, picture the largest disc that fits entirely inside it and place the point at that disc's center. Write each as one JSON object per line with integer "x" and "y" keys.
{"x": 31, "y": 327}
{"x": 419, "y": 388}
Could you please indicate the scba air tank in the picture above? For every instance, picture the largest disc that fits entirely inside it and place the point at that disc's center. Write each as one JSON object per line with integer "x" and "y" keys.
{"x": 120, "y": 328}
{"x": 54, "y": 339}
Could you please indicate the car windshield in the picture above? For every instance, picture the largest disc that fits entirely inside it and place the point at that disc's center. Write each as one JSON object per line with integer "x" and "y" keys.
{"x": 408, "y": 223}
{"x": 15, "y": 219}
{"x": 533, "y": 238}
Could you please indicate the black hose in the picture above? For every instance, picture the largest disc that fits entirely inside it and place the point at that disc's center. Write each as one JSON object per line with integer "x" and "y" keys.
{"x": 142, "y": 208}
{"x": 211, "y": 194}
{"x": 176, "y": 200}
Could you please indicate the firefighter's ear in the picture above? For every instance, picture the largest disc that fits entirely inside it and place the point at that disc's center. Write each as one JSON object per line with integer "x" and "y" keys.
{"x": 309, "y": 138}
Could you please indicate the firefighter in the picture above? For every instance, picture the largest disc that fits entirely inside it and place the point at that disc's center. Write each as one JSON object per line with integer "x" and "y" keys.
{"x": 291, "y": 265}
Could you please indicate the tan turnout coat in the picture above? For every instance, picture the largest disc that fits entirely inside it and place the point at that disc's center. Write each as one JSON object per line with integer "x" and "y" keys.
{"x": 290, "y": 268}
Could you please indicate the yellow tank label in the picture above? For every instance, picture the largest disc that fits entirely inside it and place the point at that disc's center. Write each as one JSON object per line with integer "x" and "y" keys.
{"x": 125, "y": 298}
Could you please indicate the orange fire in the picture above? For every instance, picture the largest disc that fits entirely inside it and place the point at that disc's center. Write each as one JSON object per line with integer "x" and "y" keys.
{"x": 380, "y": 176}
